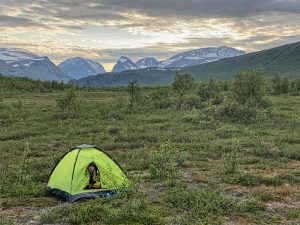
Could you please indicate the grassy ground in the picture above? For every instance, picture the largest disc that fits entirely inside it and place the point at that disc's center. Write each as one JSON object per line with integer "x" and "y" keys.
{"x": 213, "y": 172}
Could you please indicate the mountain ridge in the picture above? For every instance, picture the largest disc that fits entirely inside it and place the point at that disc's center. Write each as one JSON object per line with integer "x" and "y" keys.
{"x": 183, "y": 59}
{"x": 200, "y": 56}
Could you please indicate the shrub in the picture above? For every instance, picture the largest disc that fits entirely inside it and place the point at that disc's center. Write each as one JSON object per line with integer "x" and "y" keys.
{"x": 279, "y": 85}
{"x": 134, "y": 93}
{"x": 211, "y": 91}
{"x": 165, "y": 162}
{"x": 295, "y": 87}
{"x": 248, "y": 87}
{"x": 246, "y": 102}
{"x": 191, "y": 101}
{"x": 232, "y": 111}
{"x": 231, "y": 163}
{"x": 285, "y": 85}
{"x": 160, "y": 98}
{"x": 70, "y": 103}
{"x": 1, "y": 96}
{"x": 183, "y": 84}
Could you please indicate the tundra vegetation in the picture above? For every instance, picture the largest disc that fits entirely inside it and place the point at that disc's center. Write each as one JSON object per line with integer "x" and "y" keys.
{"x": 214, "y": 152}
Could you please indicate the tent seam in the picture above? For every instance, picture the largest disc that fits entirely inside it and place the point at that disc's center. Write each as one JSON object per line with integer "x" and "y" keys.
{"x": 74, "y": 169}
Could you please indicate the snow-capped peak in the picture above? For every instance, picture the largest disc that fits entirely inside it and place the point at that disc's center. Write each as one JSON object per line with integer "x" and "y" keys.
{"x": 123, "y": 59}
{"x": 78, "y": 67}
{"x": 148, "y": 62}
{"x": 200, "y": 56}
{"x": 21, "y": 62}
{"x": 123, "y": 64}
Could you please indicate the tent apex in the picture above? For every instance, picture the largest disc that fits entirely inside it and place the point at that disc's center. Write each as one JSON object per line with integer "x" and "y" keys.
{"x": 86, "y": 146}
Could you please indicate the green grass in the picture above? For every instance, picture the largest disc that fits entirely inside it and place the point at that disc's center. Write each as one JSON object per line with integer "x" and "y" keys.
{"x": 196, "y": 184}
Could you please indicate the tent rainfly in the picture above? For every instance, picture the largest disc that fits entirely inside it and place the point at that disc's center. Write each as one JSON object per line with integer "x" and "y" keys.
{"x": 69, "y": 177}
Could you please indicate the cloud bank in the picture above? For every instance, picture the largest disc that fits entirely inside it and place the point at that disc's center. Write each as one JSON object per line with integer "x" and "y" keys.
{"x": 107, "y": 29}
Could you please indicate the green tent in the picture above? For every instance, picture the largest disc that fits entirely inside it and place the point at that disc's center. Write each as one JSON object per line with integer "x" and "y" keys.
{"x": 70, "y": 177}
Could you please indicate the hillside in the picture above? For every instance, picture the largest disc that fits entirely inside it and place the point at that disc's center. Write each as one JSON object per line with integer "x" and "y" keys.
{"x": 149, "y": 76}
{"x": 283, "y": 60}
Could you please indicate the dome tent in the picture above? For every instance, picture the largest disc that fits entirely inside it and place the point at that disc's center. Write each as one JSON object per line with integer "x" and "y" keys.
{"x": 69, "y": 177}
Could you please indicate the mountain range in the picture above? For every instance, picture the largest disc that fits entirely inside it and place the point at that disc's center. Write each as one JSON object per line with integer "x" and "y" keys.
{"x": 189, "y": 58}
{"x": 283, "y": 60}
{"x": 222, "y": 62}
{"x": 20, "y": 62}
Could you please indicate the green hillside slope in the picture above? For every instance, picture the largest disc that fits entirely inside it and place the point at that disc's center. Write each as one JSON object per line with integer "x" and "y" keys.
{"x": 146, "y": 77}
{"x": 283, "y": 60}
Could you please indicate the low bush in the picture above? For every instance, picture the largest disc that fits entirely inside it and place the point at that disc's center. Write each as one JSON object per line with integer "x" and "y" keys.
{"x": 160, "y": 98}
{"x": 70, "y": 104}
{"x": 165, "y": 162}
{"x": 183, "y": 84}
{"x": 191, "y": 101}
{"x": 134, "y": 93}
{"x": 246, "y": 102}
{"x": 232, "y": 111}
{"x": 211, "y": 91}
{"x": 285, "y": 86}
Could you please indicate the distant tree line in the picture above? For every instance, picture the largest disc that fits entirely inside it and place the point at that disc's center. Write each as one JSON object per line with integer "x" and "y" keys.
{"x": 285, "y": 85}
{"x": 24, "y": 84}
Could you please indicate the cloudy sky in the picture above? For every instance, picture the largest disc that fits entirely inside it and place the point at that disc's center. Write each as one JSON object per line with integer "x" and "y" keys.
{"x": 104, "y": 30}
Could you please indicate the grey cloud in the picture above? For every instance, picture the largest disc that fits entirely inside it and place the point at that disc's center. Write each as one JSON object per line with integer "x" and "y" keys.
{"x": 207, "y": 8}
{"x": 162, "y": 13}
{"x": 11, "y": 21}
{"x": 111, "y": 9}
{"x": 245, "y": 15}
{"x": 73, "y": 27}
